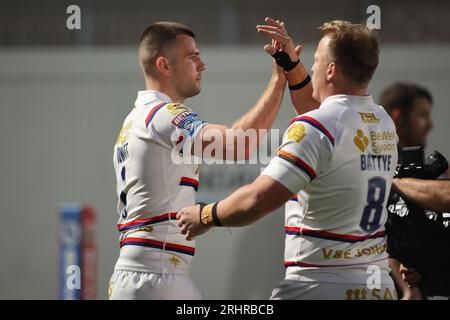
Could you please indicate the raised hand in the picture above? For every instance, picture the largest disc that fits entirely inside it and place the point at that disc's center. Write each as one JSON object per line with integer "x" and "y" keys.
{"x": 276, "y": 30}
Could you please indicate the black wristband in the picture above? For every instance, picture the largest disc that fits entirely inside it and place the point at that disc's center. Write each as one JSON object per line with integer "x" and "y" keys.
{"x": 214, "y": 215}
{"x": 300, "y": 85}
{"x": 284, "y": 61}
{"x": 202, "y": 205}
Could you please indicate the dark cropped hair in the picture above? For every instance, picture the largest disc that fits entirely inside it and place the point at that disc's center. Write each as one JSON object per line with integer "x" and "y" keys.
{"x": 155, "y": 39}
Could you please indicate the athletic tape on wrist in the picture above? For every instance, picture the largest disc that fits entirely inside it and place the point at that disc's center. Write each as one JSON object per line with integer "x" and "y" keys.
{"x": 284, "y": 61}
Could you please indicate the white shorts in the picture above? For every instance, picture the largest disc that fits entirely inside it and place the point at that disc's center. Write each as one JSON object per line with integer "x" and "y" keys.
{"x": 133, "y": 285}
{"x": 308, "y": 290}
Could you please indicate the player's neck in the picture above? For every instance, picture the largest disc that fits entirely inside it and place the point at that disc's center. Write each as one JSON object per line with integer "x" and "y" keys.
{"x": 167, "y": 90}
{"x": 351, "y": 91}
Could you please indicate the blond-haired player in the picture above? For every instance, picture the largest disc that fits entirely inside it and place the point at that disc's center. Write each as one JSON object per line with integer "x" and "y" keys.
{"x": 339, "y": 162}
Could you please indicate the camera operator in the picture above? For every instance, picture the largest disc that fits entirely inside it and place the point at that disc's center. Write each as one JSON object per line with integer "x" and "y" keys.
{"x": 410, "y": 107}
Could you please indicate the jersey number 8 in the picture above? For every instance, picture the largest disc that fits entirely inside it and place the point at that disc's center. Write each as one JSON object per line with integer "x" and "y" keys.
{"x": 375, "y": 204}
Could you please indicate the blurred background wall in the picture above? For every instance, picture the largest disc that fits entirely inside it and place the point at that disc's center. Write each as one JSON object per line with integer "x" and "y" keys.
{"x": 64, "y": 95}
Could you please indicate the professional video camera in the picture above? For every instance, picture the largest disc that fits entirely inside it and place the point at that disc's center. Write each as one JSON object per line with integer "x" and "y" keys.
{"x": 419, "y": 238}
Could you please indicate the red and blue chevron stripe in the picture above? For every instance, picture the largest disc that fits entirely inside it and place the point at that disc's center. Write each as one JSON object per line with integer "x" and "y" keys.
{"x": 313, "y": 265}
{"x": 294, "y": 198}
{"x": 146, "y": 222}
{"x": 152, "y": 113}
{"x": 316, "y": 124}
{"x": 296, "y": 161}
{"x": 158, "y": 245}
{"x": 331, "y": 236}
{"x": 185, "y": 181}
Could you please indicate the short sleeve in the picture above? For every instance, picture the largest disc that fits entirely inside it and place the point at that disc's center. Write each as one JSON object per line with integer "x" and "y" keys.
{"x": 173, "y": 125}
{"x": 307, "y": 146}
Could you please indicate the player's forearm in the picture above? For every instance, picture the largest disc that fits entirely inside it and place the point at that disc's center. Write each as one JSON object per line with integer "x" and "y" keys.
{"x": 263, "y": 113}
{"x": 427, "y": 194}
{"x": 252, "y": 202}
{"x": 240, "y": 208}
{"x": 238, "y": 142}
{"x": 302, "y": 98}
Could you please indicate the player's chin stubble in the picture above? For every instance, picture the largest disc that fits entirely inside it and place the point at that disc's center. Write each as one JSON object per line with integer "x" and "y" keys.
{"x": 195, "y": 90}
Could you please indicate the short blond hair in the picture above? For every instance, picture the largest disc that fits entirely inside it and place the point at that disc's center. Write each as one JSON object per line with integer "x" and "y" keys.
{"x": 354, "y": 48}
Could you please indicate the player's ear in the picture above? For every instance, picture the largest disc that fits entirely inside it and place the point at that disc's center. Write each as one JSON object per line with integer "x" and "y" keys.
{"x": 331, "y": 71}
{"x": 163, "y": 67}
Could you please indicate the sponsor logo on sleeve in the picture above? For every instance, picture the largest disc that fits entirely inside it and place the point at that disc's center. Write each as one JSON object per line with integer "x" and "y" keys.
{"x": 296, "y": 132}
{"x": 180, "y": 117}
{"x": 190, "y": 123}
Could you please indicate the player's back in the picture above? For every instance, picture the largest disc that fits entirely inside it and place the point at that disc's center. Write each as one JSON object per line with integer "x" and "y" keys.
{"x": 338, "y": 221}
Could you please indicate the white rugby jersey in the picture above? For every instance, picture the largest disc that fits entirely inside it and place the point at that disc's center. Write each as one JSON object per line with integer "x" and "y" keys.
{"x": 152, "y": 187}
{"x": 339, "y": 162}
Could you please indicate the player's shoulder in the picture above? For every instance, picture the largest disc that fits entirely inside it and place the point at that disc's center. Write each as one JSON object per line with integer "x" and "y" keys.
{"x": 376, "y": 116}
{"x": 319, "y": 120}
{"x": 163, "y": 112}
{"x": 166, "y": 107}
{"x": 383, "y": 114}
{"x": 174, "y": 108}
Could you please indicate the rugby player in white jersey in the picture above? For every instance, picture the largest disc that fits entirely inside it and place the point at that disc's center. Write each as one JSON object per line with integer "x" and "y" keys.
{"x": 152, "y": 187}
{"x": 338, "y": 161}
